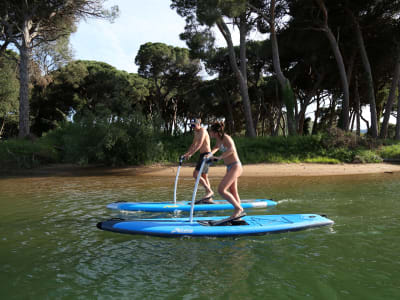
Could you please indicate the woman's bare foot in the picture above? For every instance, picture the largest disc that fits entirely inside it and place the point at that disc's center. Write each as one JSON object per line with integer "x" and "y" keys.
{"x": 238, "y": 213}
{"x": 209, "y": 195}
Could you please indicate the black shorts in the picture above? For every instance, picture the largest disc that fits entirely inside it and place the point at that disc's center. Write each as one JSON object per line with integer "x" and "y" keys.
{"x": 198, "y": 166}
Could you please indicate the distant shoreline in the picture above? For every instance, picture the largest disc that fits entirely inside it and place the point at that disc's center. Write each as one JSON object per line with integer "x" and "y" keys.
{"x": 250, "y": 170}
{"x": 277, "y": 170}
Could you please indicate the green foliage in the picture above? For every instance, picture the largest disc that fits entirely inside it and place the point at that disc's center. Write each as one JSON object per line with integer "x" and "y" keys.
{"x": 36, "y": 22}
{"x": 26, "y": 154}
{"x": 175, "y": 146}
{"x": 173, "y": 76}
{"x": 137, "y": 142}
{"x": 53, "y": 54}
{"x": 87, "y": 88}
{"x": 322, "y": 160}
{"x": 278, "y": 149}
{"x": 367, "y": 156}
{"x": 8, "y": 92}
{"x": 390, "y": 152}
{"x": 120, "y": 143}
{"x": 337, "y": 138}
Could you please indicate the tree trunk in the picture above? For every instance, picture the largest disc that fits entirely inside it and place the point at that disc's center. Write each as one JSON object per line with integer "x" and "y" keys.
{"x": 302, "y": 116}
{"x": 340, "y": 63}
{"x": 242, "y": 49}
{"x": 332, "y": 111}
{"x": 2, "y": 126}
{"x": 366, "y": 122}
{"x": 306, "y": 103}
{"x": 352, "y": 119}
{"x": 250, "y": 131}
{"x": 357, "y": 106}
{"x": 397, "y": 137}
{"x": 287, "y": 91}
{"x": 389, "y": 103}
{"x": 317, "y": 111}
{"x": 24, "y": 51}
{"x": 229, "y": 118}
{"x": 231, "y": 121}
{"x": 370, "y": 82}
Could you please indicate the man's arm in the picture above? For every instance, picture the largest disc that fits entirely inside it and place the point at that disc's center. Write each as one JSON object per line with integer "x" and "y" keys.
{"x": 198, "y": 140}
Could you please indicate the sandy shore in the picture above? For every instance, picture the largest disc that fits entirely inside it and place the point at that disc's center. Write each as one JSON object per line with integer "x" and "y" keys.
{"x": 271, "y": 170}
{"x": 250, "y": 170}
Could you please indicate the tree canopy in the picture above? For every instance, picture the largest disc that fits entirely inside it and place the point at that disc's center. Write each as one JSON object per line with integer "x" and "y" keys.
{"x": 336, "y": 58}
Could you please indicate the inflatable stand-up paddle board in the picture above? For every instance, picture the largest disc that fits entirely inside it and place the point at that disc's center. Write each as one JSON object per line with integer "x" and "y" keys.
{"x": 203, "y": 226}
{"x": 217, "y": 226}
{"x": 186, "y": 205}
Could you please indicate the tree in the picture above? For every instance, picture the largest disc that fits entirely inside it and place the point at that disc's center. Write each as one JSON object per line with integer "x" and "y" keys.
{"x": 52, "y": 55}
{"x": 389, "y": 103}
{"x": 87, "y": 90}
{"x": 356, "y": 13}
{"x": 324, "y": 26}
{"x": 397, "y": 136}
{"x": 201, "y": 16}
{"x": 171, "y": 71}
{"x": 28, "y": 23}
{"x": 286, "y": 88}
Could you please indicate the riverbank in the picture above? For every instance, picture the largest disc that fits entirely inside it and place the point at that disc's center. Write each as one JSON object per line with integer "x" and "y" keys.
{"x": 250, "y": 170}
{"x": 275, "y": 170}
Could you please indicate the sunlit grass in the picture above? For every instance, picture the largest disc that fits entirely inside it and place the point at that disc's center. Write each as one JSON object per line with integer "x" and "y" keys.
{"x": 322, "y": 160}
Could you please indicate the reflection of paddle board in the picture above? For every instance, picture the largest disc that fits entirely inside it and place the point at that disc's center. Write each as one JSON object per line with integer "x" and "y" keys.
{"x": 249, "y": 225}
{"x": 185, "y": 205}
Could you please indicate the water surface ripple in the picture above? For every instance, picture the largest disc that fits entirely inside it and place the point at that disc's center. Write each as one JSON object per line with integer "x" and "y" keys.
{"x": 51, "y": 249}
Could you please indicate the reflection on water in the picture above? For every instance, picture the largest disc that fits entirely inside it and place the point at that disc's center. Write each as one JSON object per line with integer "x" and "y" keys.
{"x": 50, "y": 247}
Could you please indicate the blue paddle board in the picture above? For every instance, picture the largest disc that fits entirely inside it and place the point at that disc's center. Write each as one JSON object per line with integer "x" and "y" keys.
{"x": 185, "y": 205}
{"x": 249, "y": 225}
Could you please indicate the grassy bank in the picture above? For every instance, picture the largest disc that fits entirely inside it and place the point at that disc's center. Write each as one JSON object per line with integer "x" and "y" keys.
{"x": 119, "y": 147}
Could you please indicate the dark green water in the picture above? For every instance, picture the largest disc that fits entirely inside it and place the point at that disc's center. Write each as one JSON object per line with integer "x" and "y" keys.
{"x": 51, "y": 249}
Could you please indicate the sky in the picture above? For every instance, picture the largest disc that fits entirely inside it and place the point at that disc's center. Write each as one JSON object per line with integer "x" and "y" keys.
{"x": 118, "y": 43}
{"x": 139, "y": 22}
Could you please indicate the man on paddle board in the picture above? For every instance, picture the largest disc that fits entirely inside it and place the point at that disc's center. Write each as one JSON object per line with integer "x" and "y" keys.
{"x": 201, "y": 143}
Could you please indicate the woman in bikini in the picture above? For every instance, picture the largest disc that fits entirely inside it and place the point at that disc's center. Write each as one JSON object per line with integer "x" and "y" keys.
{"x": 228, "y": 186}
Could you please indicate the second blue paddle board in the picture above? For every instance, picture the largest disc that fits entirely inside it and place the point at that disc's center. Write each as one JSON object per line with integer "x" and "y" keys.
{"x": 185, "y": 205}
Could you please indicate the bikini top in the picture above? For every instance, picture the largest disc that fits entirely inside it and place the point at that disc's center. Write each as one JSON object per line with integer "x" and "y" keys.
{"x": 222, "y": 148}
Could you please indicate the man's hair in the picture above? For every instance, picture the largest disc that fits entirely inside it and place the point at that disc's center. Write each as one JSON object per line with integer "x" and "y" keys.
{"x": 195, "y": 121}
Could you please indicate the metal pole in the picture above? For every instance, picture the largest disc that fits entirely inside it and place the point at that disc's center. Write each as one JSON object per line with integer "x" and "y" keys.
{"x": 195, "y": 189}
{"x": 177, "y": 175}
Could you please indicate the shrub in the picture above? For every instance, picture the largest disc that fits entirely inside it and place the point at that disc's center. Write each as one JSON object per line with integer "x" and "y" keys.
{"x": 367, "y": 156}
{"x": 131, "y": 142}
{"x": 26, "y": 153}
{"x": 390, "y": 152}
{"x": 337, "y": 138}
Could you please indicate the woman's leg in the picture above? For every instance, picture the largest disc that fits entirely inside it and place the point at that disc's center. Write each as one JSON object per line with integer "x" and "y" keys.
{"x": 224, "y": 188}
{"x": 234, "y": 190}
